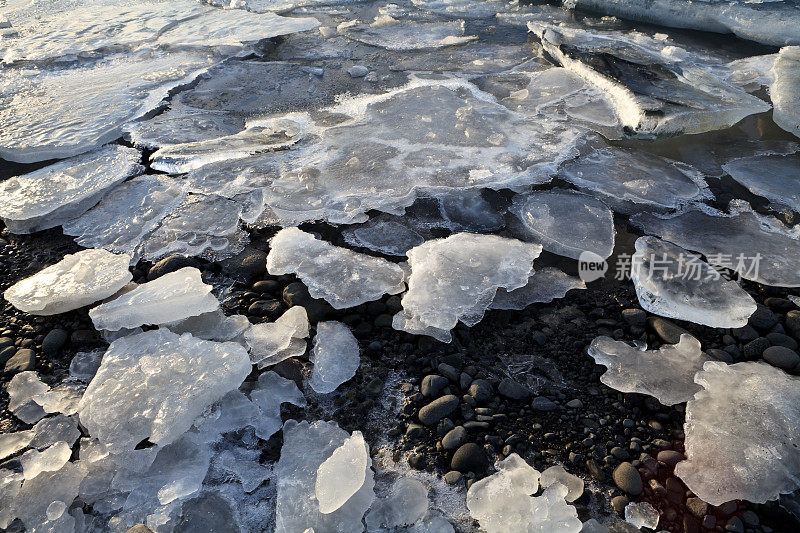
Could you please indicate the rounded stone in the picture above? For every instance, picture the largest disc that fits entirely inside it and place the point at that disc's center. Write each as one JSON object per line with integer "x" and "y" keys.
{"x": 453, "y": 477}
{"x": 167, "y": 265}
{"x": 21, "y": 361}
{"x": 627, "y": 478}
{"x": 669, "y": 457}
{"x": 781, "y": 357}
{"x": 755, "y": 348}
{"x": 781, "y": 339}
{"x": 265, "y": 308}
{"x": 470, "y": 458}
{"x": 481, "y": 390}
{"x": 666, "y": 330}
{"x": 513, "y": 390}
{"x": 618, "y": 503}
{"x": 634, "y": 317}
{"x": 438, "y": 409}
{"x": 432, "y": 385}
{"x": 54, "y": 341}
{"x": 454, "y": 438}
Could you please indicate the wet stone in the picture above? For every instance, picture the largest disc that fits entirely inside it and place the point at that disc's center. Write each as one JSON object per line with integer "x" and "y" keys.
{"x": 627, "y": 478}
{"x": 432, "y": 385}
{"x": 54, "y": 341}
{"x": 470, "y": 458}
{"x": 513, "y": 390}
{"x": 666, "y": 330}
{"x": 438, "y": 409}
{"x": 21, "y": 361}
{"x": 454, "y": 438}
{"x": 481, "y": 390}
{"x": 781, "y": 357}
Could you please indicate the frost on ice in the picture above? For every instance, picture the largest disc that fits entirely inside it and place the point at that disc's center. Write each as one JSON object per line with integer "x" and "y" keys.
{"x": 775, "y": 177}
{"x": 674, "y": 283}
{"x": 393, "y": 34}
{"x": 504, "y": 501}
{"x": 172, "y": 297}
{"x": 742, "y": 437}
{"x": 340, "y": 276}
{"x": 306, "y": 446}
{"x": 77, "y": 280}
{"x": 544, "y": 285}
{"x": 455, "y": 279}
{"x": 733, "y": 240}
{"x": 405, "y": 505}
{"x": 666, "y": 374}
{"x": 153, "y": 385}
{"x": 629, "y": 181}
{"x": 566, "y": 222}
{"x": 342, "y": 474}
{"x": 785, "y": 90}
{"x": 127, "y": 214}
{"x": 335, "y": 356}
{"x": 57, "y": 193}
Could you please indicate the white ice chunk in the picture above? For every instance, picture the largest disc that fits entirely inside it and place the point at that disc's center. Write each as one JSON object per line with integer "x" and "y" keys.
{"x": 127, "y": 214}
{"x": 342, "y": 474}
{"x": 172, "y": 297}
{"x": 77, "y": 280}
{"x": 153, "y": 385}
{"x": 37, "y": 494}
{"x": 566, "y": 222}
{"x": 666, "y": 373}
{"x": 543, "y": 286}
{"x": 21, "y": 390}
{"x": 757, "y": 247}
{"x": 272, "y": 391}
{"x": 62, "y": 112}
{"x": 456, "y": 279}
{"x": 57, "y": 193}
{"x": 272, "y": 342}
{"x": 201, "y": 225}
{"x": 84, "y": 365}
{"x": 461, "y": 8}
{"x": 754, "y": 454}
{"x": 387, "y": 32}
{"x": 627, "y": 180}
{"x": 212, "y": 326}
{"x": 385, "y": 236}
{"x": 767, "y": 22}
{"x": 62, "y": 398}
{"x": 335, "y": 356}
{"x": 775, "y": 177}
{"x": 557, "y": 474}
{"x": 642, "y": 514}
{"x": 785, "y": 90}
{"x": 51, "y": 459}
{"x": 245, "y": 465}
{"x": 405, "y": 505}
{"x": 674, "y": 283}
{"x": 57, "y": 428}
{"x": 306, "y": 447}
{"x": 340, "y": 276}
{"x": 11, "y": 443}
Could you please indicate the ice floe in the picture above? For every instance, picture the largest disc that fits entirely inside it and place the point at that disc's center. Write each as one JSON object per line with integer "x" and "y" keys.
{"x": 775, "y": 177}
{"x": 153, "y": 385}
{"x": 566, "y": 222}
{"x": 757, "y": 247}
{"x": 172, "y": 297}
{"x": 674, "y": 283}
{"x": 57, "y": 193}
{"x": 306, "y": 447}
{"x": 393, "y": 34}
{"x": 340, "y": 276}
{"x": 544, "y": 285}
{"x": 666, "y": 374}
{"x": 342, "y": 474}
{"x": 557, "y": 474}
{"x": 784, "y": 89}
{"x": 272, "y": 342}
{"x": 335, "y": 356}
{"x": 404, "y": 505}
{"x": 642, "y": 514}
{"x": 79, "y": 279}
{"x": 742, "y": 440}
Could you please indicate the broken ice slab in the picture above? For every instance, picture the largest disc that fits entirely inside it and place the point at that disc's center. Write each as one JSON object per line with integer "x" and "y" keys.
{"x": 342, "y": 474}
{"x": 57, "y": 193}
{"x": 566, "y": 222}
{"x": 629, "y": 181}
{"x": 212, "y": 326}
{"x": 127, "y": 214}
{"x": 11, "y": 443}
{"x": 557, "y": 474}
{"x": 306, "y": 446}
{"x": 666, "y": 374}
{"x": 642, "y": 514}
{"x": 461, "y": 8}
{"x": 775, "y": 23}
{"x": 406, "y": 504}
{"x": 340, "y": 276}
{"x": 181, "y": 158}
{"x": 21, "y": 390}
{"x": 84, "y": 365}
{"x": 657, "y": 87}
{"x": 386, "y": 236}
{"x": 271, "y": 343}
{"x": 154, "y": 384}
{"x": 775, "y": 177}
{"x": 391, "y": 34}
{"x": 57, "y": 428}
{"x": 504, "y": 501}
{"x": 754, "y": 454}
{"x": 206, "y": 226}
{"x": 755, "y": 246}
{"x": 335, "y": 356}
{"x": 50, "y": 459}
{"x": 544, "y": 285}
{"x": 785, "y": 90}
{"x": 428, "y": 138}
{"x": 172, "y": 297}
{"x": 79, "y": 279}
{"x": 675, "y": 283}
{"x": 62, "y": 112}
{"x": 709, "y": 157}
{"x": 271, "y": 391}
{"x": 455, "y": 279}
{"x": 63, "y": 398}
